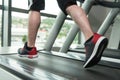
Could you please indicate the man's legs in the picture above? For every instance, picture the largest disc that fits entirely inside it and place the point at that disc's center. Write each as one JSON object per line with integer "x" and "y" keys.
{"x": 79, "y": 16}
{"x": 95, "y": 43}
{"x": 33, "y": 25}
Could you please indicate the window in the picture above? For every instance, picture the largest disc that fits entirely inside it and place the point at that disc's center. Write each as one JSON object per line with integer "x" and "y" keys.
{"x": 0, "y": 2}
{"x": 19, "y": 23}
{"x": 51, "y": 7}
{"x": 22, "y": 4}
{"x": 0, "y": 24}
{"x": 0, "y": 21}
{"x": 19, "y": 28}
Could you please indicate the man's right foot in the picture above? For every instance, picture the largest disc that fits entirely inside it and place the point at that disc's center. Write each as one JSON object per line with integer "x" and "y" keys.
{"x": 23, "y": 52}
{"x": 94, "y": 49}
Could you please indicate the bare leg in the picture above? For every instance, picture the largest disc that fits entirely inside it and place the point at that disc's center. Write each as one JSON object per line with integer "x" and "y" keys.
{"x": 33, "y": 25}
{"x": 79, "y": 16}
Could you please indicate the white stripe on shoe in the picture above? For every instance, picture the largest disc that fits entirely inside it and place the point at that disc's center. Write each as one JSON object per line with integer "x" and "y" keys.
{"x": 29, "y": 56}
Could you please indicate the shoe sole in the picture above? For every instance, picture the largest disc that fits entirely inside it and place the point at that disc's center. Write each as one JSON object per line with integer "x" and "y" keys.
{"x": 29, "y": 56}
{"x": 97, "y": 52}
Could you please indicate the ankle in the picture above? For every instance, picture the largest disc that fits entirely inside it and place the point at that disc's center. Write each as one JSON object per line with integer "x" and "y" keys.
{"x": 28, "y": 47}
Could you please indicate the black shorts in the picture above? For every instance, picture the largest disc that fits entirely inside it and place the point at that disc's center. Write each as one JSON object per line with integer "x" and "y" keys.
{"x": 36, "y": 5}
{"x": 63, "y": 4}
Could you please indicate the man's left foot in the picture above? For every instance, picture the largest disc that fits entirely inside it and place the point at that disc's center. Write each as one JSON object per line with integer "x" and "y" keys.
{"x": 24, "y": 52}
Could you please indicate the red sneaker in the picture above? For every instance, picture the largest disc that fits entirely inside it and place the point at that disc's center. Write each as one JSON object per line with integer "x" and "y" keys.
{"x": 94, "y": 49}
{"x": 23, "y": 52}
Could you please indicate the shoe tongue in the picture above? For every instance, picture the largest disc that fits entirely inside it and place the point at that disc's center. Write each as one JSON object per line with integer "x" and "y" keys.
{"x": 26, "y": 47}
{"x": 89, "y": 39}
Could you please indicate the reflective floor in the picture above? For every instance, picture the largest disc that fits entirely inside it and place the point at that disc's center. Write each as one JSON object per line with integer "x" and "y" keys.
{"x": 30, "y": 70}
{"x": 50, "y": 67}
{"x": 4, "y": 75}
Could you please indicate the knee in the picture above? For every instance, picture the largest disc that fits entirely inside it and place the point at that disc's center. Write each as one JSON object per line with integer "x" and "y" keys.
{"x": 63, "y": 4}
{"x": 36, "y": 5}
